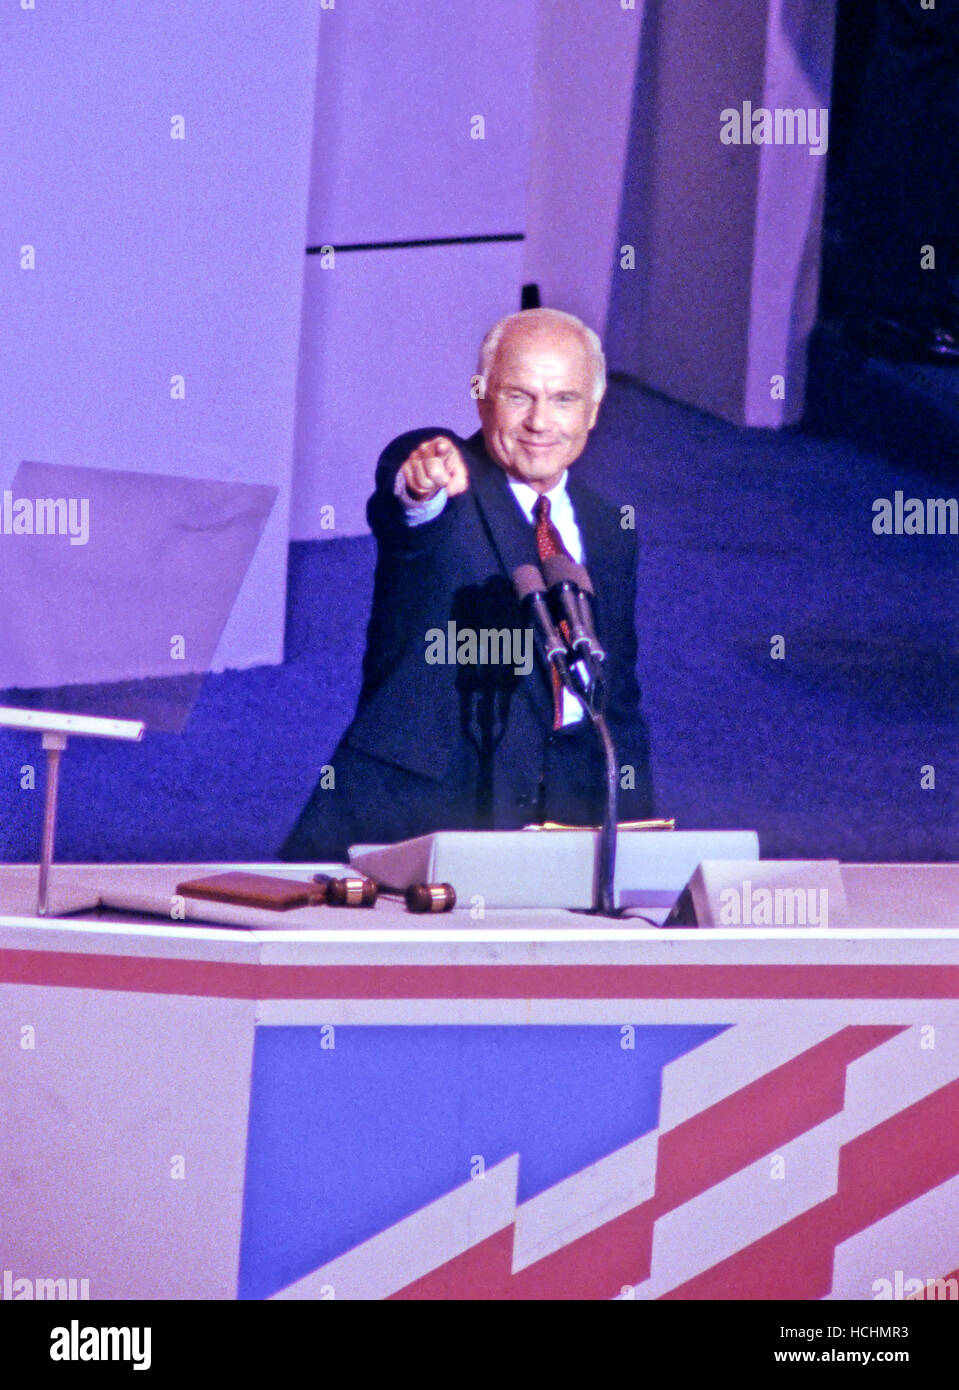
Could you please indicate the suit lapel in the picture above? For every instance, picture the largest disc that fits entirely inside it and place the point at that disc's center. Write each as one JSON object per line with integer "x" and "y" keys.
{"x": 512, "y": 537}
{"x": 514, "y": 541}
{"x": 592, "y": 518}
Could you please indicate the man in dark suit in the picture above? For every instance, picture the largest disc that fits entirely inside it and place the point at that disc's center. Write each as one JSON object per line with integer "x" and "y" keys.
{"x": 442, "y": 740}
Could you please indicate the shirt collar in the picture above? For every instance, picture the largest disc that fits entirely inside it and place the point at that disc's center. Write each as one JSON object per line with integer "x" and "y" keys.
{"x": 527, "y": 496}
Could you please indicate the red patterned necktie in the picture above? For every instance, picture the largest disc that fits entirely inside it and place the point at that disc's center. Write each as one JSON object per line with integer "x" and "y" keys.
{"x": 549, "y": 543}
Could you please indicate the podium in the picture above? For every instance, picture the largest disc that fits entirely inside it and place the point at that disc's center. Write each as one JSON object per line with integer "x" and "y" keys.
{"x": 624, "y": 1085}
{"x": 551, "y": 868}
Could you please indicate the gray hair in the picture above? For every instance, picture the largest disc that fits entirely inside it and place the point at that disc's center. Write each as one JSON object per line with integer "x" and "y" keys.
{"x": 545, "y": 318}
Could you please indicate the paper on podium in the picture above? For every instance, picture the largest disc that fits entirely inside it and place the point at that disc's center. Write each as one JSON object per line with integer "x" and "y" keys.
{"x": 519, "y": 868}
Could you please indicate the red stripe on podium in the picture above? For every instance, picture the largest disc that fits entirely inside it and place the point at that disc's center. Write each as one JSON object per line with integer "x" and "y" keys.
{"x": 232, "y": 980}
{"x": 880, "y": 1171}
{"x": 696, "y": 1155}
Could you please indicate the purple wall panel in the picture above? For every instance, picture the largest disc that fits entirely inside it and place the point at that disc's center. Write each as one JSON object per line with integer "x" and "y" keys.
{"x": 157, "y": 256}
{"x": 586, "y": 59}
{"x": 389, "y": 344}
{"x": 683, "y": 312}
{"x": 399, "y": 82}
{"x": 725, "y": 289}
{"x": 390, "y": 337}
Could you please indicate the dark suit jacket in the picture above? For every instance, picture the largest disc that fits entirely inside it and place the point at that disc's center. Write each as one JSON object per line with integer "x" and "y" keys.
{"x": 472, "y": 745}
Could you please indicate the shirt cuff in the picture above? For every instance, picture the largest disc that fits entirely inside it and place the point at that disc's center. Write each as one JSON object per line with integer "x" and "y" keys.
{"x": 417, "y": 513}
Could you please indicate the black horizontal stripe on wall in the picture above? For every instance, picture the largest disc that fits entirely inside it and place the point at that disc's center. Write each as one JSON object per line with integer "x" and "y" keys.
{"x": 419, "y": 241}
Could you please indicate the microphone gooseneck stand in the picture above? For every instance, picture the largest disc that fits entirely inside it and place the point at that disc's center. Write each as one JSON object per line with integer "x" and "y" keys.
{"x": 531, "y": 590}
{"x": 593, "y": 700}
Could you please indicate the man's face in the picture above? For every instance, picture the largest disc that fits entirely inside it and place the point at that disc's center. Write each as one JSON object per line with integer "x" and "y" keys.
{"x": 539, "y": 408}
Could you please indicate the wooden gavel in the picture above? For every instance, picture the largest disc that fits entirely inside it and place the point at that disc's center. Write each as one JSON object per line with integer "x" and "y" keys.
{"x": 354, "y": 891}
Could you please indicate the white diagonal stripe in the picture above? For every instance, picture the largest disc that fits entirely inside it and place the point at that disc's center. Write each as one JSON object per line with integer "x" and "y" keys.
{"x": 898, "y": 1074}
{"x": 418, "y": 1244}
{"x": 742, "y": 1209}
{"x": 921, "y": 1240}
{"x": 732, "y": 1060}
{"x": 585, "y": 1201}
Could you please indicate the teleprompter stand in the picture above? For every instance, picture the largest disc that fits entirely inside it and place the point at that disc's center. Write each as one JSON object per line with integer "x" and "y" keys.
{"x": 54, "y": 729}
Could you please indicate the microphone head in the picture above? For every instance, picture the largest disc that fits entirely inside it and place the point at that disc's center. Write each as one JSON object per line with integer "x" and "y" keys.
{"x": 581, "y": 578}
{"x": 527, "y": 580}
{"x": 560, "y": 569}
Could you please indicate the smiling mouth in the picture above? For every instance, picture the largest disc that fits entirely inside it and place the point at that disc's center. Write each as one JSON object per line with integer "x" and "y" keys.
{"x": 538, "y": 443}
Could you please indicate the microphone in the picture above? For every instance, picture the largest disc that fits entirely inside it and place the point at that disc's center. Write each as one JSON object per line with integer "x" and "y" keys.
{"x": 586, "y": 606}
{"x": 571, "y": 588}
{"x": 570, "y": 585}
{"x": 531, "y": 592}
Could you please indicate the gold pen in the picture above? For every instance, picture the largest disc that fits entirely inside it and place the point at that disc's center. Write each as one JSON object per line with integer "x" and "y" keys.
{"x": 623, "y": 825}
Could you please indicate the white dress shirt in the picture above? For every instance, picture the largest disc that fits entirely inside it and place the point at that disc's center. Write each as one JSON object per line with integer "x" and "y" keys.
{"x": 561, "y": 514}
